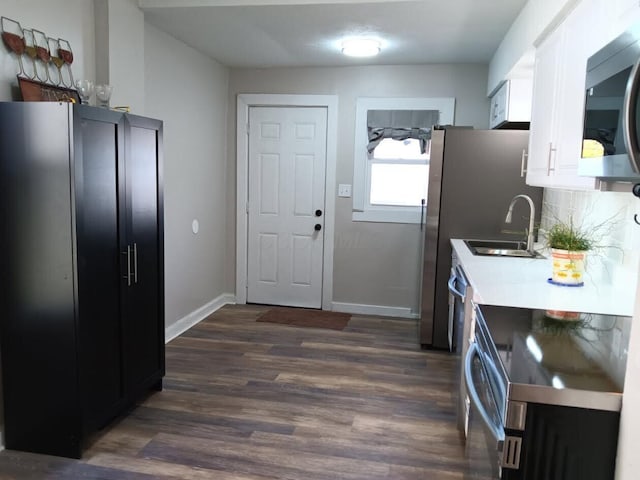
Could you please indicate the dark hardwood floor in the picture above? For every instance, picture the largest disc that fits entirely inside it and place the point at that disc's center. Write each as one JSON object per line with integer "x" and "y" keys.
{"x": 245, "y": 400}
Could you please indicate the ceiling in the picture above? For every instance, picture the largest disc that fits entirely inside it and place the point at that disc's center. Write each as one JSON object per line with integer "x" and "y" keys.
{"x": 279, "y": 33}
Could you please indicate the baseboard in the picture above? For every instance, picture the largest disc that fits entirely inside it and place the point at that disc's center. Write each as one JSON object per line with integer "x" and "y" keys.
{"x": 195, "y": 317}
{"x": 360, "y": 309}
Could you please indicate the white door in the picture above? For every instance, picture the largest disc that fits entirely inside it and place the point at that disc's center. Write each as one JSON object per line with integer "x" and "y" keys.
{"x": 287, "y": 157}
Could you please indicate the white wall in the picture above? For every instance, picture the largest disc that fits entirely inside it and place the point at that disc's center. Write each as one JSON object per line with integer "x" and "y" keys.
{"x": 189, "y": 92}
{"x": 72, "y": 20}
{"x": 120, "y": 51}
{"x": 375, "y": 264}
{"x": 628, "y": 461}
{"x": 535, "y": 20}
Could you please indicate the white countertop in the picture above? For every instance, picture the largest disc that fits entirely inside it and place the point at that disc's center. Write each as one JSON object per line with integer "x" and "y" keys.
{"x": 522, "y": 282}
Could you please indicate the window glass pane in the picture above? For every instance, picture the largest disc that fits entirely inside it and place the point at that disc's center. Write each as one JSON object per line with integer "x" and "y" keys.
{"x": 389, "y": 149}
{"x": 398, "y": 184}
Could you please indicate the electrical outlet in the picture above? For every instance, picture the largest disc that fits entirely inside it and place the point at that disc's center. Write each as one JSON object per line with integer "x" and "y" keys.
{"x": 344, "y": 190}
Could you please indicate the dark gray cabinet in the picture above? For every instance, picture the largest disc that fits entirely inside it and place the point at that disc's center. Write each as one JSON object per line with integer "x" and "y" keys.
{"x": 82, "y": 298}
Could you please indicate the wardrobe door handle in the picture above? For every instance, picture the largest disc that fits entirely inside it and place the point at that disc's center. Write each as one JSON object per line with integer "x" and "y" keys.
{"x": 135, "y": 263}
{"x": 128, "y": 275}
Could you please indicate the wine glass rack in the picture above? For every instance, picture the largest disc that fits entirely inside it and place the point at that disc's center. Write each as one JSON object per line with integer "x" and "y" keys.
{"x": 48, "y": 60}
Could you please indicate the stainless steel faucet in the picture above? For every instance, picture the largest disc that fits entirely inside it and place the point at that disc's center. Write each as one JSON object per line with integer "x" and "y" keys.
{"x": 532, "y": 216}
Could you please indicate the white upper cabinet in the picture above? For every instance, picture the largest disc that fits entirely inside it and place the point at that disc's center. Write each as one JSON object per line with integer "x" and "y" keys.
{"x": 555, "y": 141}
{"x": 543, "y": 112}
{"x": 511, "y": 103}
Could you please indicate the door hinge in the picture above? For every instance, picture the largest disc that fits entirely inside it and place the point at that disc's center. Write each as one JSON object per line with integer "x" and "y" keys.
{"x": 247, "y": 208}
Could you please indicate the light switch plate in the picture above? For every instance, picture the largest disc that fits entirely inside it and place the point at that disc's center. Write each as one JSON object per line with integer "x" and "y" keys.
{"x": 344, "y": 190}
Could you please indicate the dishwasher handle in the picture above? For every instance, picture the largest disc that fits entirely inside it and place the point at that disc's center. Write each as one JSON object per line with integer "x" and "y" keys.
{"x": 451, "y": 284}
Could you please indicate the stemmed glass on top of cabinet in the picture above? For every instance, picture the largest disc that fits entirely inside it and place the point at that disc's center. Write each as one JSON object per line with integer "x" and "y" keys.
{"x": 42, "y": 50}
{"x": 66, "y": 54}
{"x": 32, "y": 52}
{"x": 54, "y": 50}
{"x": 85, "y": 89}
{"x": 103, "y": 94}
{"x": 13, "y": 38}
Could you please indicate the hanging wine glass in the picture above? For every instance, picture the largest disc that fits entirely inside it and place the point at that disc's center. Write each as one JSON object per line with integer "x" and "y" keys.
{"x": 32, "y": 53}
{"x": 54, "y": 51}
{"x": 13, "y": 38}
{"x": 66, "y": 54}
{"x": 42, "y": 50}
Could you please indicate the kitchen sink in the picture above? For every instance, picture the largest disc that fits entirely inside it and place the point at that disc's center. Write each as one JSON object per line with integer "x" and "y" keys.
{"x": 501, "y": 248}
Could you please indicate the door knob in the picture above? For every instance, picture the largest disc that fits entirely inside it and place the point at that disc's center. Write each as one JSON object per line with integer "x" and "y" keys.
{"x": 317, "y": 227}
{"x": 318, "y": 213}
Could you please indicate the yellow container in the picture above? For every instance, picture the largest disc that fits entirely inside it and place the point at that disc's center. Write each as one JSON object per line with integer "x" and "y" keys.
{"x": 568, "y": 266}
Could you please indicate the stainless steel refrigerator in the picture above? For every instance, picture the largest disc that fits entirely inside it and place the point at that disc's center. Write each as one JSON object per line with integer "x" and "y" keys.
{"x": 473, "y": 175}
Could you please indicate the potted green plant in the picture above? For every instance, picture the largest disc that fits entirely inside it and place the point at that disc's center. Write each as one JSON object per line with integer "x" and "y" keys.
{"x": 566, "y": 236}
{"x": 569, "y": 246}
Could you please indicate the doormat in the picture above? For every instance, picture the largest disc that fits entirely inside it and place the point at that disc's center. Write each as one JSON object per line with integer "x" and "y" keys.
{"x": 305, "y": 317}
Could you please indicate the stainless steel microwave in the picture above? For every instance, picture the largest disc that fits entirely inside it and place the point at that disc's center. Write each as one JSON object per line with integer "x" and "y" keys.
{"x": 611, "y": 134}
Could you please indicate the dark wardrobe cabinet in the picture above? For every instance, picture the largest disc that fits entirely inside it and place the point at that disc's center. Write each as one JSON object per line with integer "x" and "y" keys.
{"x": 82, "y": 298}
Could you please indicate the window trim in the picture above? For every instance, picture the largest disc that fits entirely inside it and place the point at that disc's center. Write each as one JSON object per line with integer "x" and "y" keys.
{"x": 390, "y": 214}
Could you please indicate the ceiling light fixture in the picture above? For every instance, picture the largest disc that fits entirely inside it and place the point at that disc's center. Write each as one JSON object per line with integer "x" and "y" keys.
{"x": 361, "y": 47}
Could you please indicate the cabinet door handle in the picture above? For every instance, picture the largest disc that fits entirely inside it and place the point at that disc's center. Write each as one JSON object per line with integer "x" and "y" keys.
{"x": 549, "y": 167}
{"x": 135, "y": 263}
{"x": 128, "y": 275}
{"x": 523, "y": 163}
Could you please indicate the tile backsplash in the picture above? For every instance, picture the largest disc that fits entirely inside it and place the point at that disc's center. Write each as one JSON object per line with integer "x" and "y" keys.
{"x": 618, "y": 239}
{"x": 605, "y": 340}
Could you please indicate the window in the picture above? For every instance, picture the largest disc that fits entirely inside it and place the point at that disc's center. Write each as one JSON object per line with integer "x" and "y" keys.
{"x": 391, "y": 174}
{"x": 399, "y": 174}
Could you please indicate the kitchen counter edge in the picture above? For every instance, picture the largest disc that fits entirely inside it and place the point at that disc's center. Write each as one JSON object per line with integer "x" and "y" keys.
{"x": 522, "y": 283}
